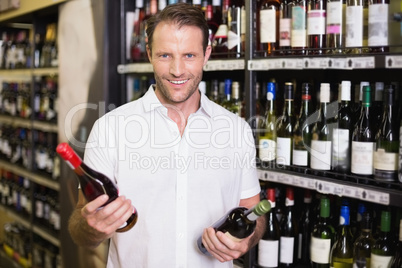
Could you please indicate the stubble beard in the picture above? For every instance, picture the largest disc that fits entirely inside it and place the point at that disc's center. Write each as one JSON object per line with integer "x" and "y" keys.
{"x": 193, "y": 87}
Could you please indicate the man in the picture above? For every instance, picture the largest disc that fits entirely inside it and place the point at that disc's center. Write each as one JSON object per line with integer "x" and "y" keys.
{"x": 182, "y": 160}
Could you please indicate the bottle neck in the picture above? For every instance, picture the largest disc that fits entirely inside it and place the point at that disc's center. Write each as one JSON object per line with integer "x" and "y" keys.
{"x": 306, "y": 106}
{"x": 287, "y": 111}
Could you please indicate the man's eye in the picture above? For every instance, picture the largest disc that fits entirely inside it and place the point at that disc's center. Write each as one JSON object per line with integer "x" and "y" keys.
{"x": 164, "y": 56}
{"x": 190, "y": 56}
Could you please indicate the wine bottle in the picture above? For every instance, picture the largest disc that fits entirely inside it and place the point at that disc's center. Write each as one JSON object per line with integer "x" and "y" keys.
{"x": 383, "y": 249}
{"x": 269, "y": 26}
{"x": 397, "y": 260}
{"x": 267, "y": 130}
{"x": 378, "y": 102}
{"x": 235, "y": 105}
{"x": 299, "y": 27}
{"x": 321, "y": 143}
{"x": 93, "y": 184}
{"x": 361, "y": 208}
{"x": 288, "y": 240}
{"x": 303, "y": 132}
{"x": 228, "y": 94}
{"x": 364, "y": 242}
{"x": 285, "y": 26}
{"x": 268, "y": 246}
{"x": 322, "y": 237}
{"x": 378, "y": 26}
{"x": 342, "y": 250}
{"x": 213, "y": 22}
{"x": 220, "y": 42}
{"x": 387, "y": 141}
{"x": 304, "y": 230}
{"x": 236, "y": 17}
{"x": 238, "y": 223}
{"x": 354, "y": 26}
{"x": 284, "y": 130}
{"x": 342, "y": 134}
{"x": 363, "y": 142}
{"x": 316, "y": 14}
{"x": 334, "y": 29}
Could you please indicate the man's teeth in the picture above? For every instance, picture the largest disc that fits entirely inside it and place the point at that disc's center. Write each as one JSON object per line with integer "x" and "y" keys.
{"x": 178, "y": 82}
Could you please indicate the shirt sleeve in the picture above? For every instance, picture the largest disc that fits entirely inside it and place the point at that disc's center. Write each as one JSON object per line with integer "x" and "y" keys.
{"x": 250, "y": 182}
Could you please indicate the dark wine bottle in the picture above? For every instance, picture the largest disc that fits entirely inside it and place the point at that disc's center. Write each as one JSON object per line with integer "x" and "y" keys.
{"x": 268, "y": 246}
{"x": 285, "y": 26}
{"x": 238, "y": 223}
{"x": 288, "y": 240}
{"x": 93, "y": 184}
{"x": 304, "y": 230}
{"x": 383, "y": 249}
{"x": 322, "y": 237}
{"x": 363, "y": 142}
{"x": 342, "y": 250}
{"x": 387, "y": 141}
{"x": 397, "y": 261}
{"x": 363, "y": 243}
{"x": 342, "y": 134}
{"x": 316, "y": 26}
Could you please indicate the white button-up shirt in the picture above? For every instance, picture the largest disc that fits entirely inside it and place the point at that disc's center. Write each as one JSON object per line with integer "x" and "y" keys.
{"x": 178, "y": 184}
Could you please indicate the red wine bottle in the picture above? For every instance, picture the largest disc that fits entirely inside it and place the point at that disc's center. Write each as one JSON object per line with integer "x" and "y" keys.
{"x": 238, "y": 223}
{"x": 93, "y": 183}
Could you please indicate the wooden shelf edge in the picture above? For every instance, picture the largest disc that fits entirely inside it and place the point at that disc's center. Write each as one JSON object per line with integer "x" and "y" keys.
{"x": 46, "y": 235}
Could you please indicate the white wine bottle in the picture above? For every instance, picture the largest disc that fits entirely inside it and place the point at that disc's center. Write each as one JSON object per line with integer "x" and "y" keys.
{"x": 238, "y": 223}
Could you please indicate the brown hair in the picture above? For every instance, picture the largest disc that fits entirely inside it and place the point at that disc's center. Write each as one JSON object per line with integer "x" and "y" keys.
{"x": 184, "y": 15}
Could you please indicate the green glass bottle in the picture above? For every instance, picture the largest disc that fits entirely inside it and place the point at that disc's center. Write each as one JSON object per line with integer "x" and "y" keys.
{"x": 303, "y": 132}
{"x": 363, "y": 141}
{"x": 267, "y": 130}
{"x": 235, "y": 105}
{"x": 285, "y": 130}
{"x": 397, "y": 261}
{"x": 342, "y": 250}
{"x": 387, "y": 145}
{"x": 321, "y": 144}
{"x": 322, "y": 237}
{"x": 364, "y": 242}
{"x": 383, "y": 249}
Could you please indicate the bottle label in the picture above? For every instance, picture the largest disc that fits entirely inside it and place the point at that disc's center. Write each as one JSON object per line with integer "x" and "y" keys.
{"x": 316, "y": 22}
{"x": 362, "y": 157}
{"x": 284, "y": 32}
{"x": 268, "y": 251}
{"x": 233, "y": 237}
{"x": 340, "y": 147}
{"x": 319, "y": 250}
{"x": 222, "y": 31}
{"x": 385, "y": 161}
{"x": 321, "y": 155}
{"x": 286, "y": 252}
{"x": 378, "y": 25}
{"x": 283, "y": 147}
{"x": 267, "y": 26}
{"x": 267, "y": 150}
{"x": 354, "y": 26}
{"x": 300, "y": 158}
{"x": 378, "y": 261}
{"x": 298, "y": 27}
{"x": 334, "y": 17}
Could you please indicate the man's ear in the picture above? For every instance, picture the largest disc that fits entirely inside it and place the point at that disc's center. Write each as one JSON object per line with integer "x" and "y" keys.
{"x": 149, "y": 53}
{"x": 208, "y": 52}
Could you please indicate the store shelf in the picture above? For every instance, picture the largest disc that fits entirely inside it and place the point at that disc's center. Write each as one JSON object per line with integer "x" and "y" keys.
{"x": 26, "y": 74}
{"x": 46, "y": 235}
{"x": 28, "y": 6}
{"x": 212, "y": 65}
{"x": 363, "y": 61}
{"x": 27, "y": 123}
{"x": 39, "y": 179}
{"x": 15, "y": 215}
{"x": 6, "y": 261}
{"x": 370, "y": 193}
{"x": 45, "y": 71}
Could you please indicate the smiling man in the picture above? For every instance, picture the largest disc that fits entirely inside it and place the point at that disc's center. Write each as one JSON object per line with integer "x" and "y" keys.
{"x": 172, "y": 124}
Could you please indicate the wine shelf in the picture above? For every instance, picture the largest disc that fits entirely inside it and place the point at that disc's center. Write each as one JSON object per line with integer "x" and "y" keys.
{"x": 212, "y": 65}
{"x": 25, "y": 222}
{"x": 6, "y": 261}
{"x": 27, "y": 123}
{"x": 370, "y": 193}
{"x": 46, "y": 235}
{"x": 27, "y": 73}
{"x": 32, "y": 176}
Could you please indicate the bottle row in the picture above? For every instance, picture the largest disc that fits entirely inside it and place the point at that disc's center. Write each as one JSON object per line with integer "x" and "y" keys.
{"x": 17, "y": 51}
{"x": 287, "y": 27}
{"x": 328, "y": 231}
{"x": 16, "y": 98}
{"x": 25, "y": 198}
{"x": 30, "y": 148}
{"x": 18, "y": 245}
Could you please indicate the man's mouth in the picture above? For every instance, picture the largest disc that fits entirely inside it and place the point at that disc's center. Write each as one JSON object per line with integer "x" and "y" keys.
{"x": 178, "y": 82}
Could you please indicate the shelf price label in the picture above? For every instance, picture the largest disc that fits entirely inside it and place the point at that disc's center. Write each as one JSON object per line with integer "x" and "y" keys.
{"x": 376, "y": 197}
{"x": 330, "y": 188}
{"x": 361, "y": 63}
{"x": 224, "y": 65}
{"x": 315, "y": 63}
{"x": 393, "y": 62}
{"x": 135, "y": 68}
{"x": 285, "y": 178}
{"x": 337, "y": 63}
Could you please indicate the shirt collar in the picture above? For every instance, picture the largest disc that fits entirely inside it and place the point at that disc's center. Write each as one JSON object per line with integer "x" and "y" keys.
{"x": 151, "y": 102}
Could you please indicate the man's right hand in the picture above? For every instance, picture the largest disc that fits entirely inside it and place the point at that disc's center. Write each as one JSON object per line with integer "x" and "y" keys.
{"x": 107, "y": 219}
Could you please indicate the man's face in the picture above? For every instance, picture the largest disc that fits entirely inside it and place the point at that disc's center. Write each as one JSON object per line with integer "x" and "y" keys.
{"x": 177, "y": 57}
